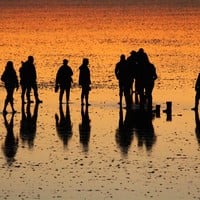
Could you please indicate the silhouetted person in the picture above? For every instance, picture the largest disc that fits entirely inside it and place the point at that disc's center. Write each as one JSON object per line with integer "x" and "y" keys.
{"x": 124, "y": 132}
{"x": 149, "y": 78}
{"x": 23, "y": 83}
{"x": 64, "y": 80}
{"x": 133, "y": 65}
{"x": 145, "y": 76}
{"x": 28, "y": 125}
{"x": 64, "y": 125}
{"x": 11, "y": 142}
{"x": 9, "y": 77}
{"x": 85, "y": 128}
{"x": 85, "y": 81}
{"x": 197, "y": 95}
{"x": 28, "y": 80}
{"x": 120, "y": 73}
{"x": 123, "y": 73}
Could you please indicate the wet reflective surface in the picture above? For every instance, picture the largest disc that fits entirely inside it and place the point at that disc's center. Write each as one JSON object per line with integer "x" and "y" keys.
{"x": 101, "y": 152}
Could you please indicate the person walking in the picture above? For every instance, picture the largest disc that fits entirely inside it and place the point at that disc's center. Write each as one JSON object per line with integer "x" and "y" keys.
{"x": 197, "y": 95}
{"x": 28, "y": 80}
{"x": 9, "y": 77}
{"x": 64, "y": 80}
{"x": 85, "y": 81}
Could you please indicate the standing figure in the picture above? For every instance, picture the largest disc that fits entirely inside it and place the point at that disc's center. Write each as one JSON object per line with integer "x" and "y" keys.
{"x": 132, "y": 66}
{"x": 197, "y": 96}
{"x": 28, "y": 80}
{"x": 9, "y": 77}
{"x": 120, "y": 75}
{"x": 85, "y": 81}
{"x": 123, "y": 73}
{"x": 150, "y": 76}
{"x": 145, "y": 76}
{"x": 64, "y": 80}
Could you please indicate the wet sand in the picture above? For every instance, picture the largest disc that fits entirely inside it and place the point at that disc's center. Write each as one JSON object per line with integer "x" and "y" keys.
{"x": 101, "y": 156}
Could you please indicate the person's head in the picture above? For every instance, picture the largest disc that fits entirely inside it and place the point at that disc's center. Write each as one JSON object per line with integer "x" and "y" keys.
{"x": 141, "y": 50}
{"x": 133, "y": 52}
{"x": 30, "y": 59}
{"x": 9, "y": 65}
{"x": 122, "y": 57}
{"x": 65, "y": 61}
{"x": 85, "y": 61}
{"x": 142, "y": 56}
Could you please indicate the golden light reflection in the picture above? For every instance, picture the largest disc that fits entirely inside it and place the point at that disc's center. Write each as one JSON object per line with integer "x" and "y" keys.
{"x": 171, "y": 39}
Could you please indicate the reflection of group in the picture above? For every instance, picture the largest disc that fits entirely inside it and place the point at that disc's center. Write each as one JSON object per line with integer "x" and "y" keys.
{"x": 136, "y": 123}
{"x": 139, "y": 70}
{"x": 28, "y": 82}
{"x": 28, "y": 124}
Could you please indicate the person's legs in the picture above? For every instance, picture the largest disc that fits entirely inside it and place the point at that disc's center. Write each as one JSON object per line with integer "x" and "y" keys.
{"x": 127, "y": 97}
{"x": 197, "y": 100}
{"x": 61, "y": 95}
{"x": 28, "y": 94}
{"x": 148, "y": 92}
{"x": 142, "y": 97}
{"x": 120, "y": 92}
{"x": 87, "y": 97}
{"x": 67, "y": 94}
{"x": 197, "y": 97}
{"x": 82, "y": 96}
{"x": 5, "y": 105}
{"x": 9, "y": 99}
{"x": 23, "y": 87}
{"x": 35, "y": 90}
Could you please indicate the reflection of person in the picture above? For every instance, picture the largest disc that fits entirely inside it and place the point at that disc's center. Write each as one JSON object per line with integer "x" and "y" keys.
{"x": 85, "y": 128}
{"x": 9, "y": 77}
{"x": 197, "y": 129}
{"x": 144, "y": 129}
{"x": 64, "y": 124}
{"x": 64, "y": 80}
{"x": 11, "y": 142}
{"x": 85, "y": 81}
{"x": 28, "y": 80}
{"x": 197, "y": 96}
{"x": 28, "y": 124}
{"x": 124, "y": 132}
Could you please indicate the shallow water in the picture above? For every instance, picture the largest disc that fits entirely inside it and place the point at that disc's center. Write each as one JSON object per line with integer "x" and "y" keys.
{"x": 142, "y": 158}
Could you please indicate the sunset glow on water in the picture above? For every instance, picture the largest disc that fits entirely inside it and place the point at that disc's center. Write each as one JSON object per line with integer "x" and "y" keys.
{"x": 156, "y": 159}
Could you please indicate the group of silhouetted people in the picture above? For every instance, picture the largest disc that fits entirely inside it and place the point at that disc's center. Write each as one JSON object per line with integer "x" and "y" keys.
{"x": 28, "y": 82}
{"x": 136, "y": 75}
{"x": 64, "y": 81}
{"x": 139, "y": 72}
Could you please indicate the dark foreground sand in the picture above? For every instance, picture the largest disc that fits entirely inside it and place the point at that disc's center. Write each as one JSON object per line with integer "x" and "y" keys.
{"x": 102, "y": 155}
